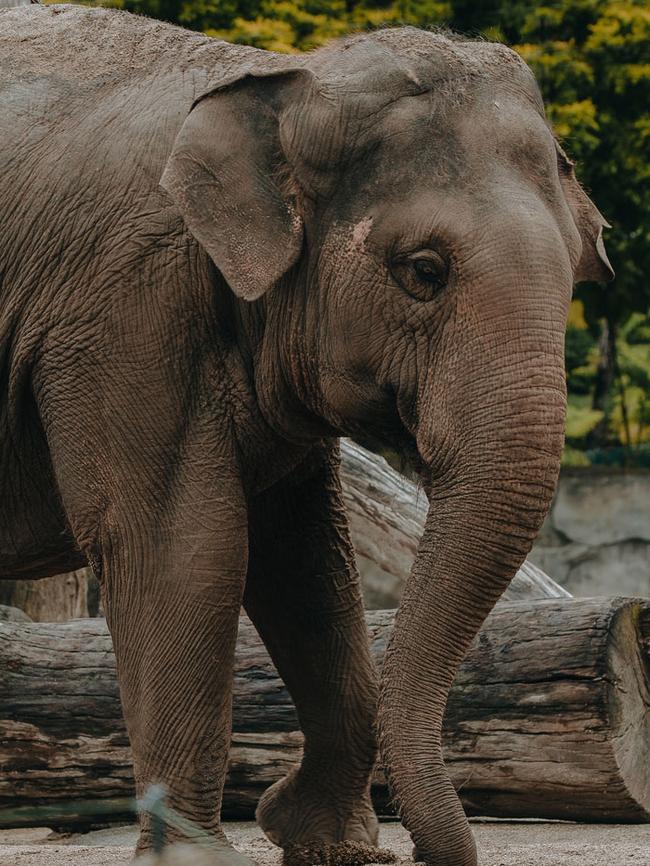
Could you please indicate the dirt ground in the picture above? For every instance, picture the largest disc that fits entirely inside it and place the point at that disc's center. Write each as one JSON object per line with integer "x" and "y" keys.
{"x": 500, "y": 843}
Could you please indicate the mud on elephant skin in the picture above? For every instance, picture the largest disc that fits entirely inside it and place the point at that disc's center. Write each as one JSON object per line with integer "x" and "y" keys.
{"x": 217, "y": 260}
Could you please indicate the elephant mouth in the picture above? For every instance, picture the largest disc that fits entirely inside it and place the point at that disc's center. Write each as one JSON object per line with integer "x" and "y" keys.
{"x": 412, "y": 464}
{"x": 403, "y": 453}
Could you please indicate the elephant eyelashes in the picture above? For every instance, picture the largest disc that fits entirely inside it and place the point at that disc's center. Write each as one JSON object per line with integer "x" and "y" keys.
{"x": 422, "y": 274}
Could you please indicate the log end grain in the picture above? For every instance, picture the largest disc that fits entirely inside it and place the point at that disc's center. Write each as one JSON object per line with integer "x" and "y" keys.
{"x": 548, "y": 717}
{"x": 628, "y": 678}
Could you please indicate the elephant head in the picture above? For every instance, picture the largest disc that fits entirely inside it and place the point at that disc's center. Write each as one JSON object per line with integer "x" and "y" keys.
{"x": 400, "y": 208}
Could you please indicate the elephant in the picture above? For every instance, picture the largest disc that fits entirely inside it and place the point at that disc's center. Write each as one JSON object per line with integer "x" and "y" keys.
{"x": 215, "y": 261}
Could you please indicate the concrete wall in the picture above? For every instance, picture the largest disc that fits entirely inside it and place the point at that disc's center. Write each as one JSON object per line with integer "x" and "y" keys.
{"x": 596, "y": 539}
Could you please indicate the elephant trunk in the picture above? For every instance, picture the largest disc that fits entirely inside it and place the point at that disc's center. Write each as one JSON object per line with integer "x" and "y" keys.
{"x": 490, "y": 494}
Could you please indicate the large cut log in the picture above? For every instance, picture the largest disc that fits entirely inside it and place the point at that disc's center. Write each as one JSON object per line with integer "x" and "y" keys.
{"x": 548, "y": 717}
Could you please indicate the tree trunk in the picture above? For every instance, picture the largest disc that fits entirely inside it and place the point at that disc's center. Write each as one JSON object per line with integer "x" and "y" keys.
{"x": 547, "y": 718}
{"x": 599, "y": 437}
{"x": 52, "y": 599}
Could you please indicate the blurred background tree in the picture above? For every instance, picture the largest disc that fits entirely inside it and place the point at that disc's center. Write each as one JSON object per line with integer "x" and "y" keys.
{"x": 592, "y": 60}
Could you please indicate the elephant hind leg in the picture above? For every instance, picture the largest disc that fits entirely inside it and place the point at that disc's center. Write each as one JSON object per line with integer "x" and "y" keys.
{"x": 303, "y": 596}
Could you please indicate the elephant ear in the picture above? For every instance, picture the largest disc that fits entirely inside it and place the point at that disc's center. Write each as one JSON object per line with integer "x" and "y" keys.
{"x": 228, "y": 176}
{"x": 593, "y": 264}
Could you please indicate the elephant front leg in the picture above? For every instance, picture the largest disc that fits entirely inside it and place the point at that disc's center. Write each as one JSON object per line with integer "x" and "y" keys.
{"x": 145, "y": 465}
{"x": 172, "y": 600}
{"x": 169, "y": 544}
{"x": 174, "y": 648}
{"x": 303, "y": 595}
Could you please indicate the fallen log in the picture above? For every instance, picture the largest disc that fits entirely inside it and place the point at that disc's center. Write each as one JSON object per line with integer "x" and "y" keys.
{"x": 548, "y": 717}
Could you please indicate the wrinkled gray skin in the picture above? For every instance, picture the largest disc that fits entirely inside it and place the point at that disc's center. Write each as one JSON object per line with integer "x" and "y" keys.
{"x": 177, "y": 361}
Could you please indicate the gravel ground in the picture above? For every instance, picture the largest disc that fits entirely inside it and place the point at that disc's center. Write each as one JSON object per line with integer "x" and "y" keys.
{"x": 500, "y": 843}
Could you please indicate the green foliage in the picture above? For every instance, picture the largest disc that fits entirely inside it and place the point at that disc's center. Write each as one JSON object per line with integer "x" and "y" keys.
{"x": 581, "y": 356}
{"x": 288, "y": 25}
{"x": 619, "y": 456}
{"x": 638, "y": 329}
{"x": 634, "y": 363}
{"x": 300, "y": 25}
{"x": 581, "y": 420}
{"x": 579, "y": 345}
{"x": 574, "y": 457}
{"x": 625, "y": 415}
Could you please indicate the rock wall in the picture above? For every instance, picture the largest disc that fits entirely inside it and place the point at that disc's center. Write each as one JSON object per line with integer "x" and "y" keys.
{"x": 596, "y": 538}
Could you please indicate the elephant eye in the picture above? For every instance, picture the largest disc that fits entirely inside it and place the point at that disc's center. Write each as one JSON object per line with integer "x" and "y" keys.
{"x": 422, "y": 273}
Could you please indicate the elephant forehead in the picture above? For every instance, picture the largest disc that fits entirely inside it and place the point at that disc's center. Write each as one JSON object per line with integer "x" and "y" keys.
{"x": 413, "y": 131}
{"x": 400, "y": 86}
{"x": 372, "y": 70}
{"x": 507, "y": 129}
{"x": 416, "y": 144}
{"x": 394, "y": 107}
{"x": 433, "y": 140}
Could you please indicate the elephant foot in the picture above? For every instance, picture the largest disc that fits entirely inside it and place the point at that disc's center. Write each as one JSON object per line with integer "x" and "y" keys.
{"x": 320, "y": 825}
{"x": 338, "y": 854}
{"x": 192, "y": 847}
{"x": 189, "y": 854}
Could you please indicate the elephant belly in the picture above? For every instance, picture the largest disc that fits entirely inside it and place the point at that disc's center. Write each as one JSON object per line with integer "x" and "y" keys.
{"x": 34, "y": 543}
{"x": 34, "y": 566}
{"x": 35, "y": 539}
